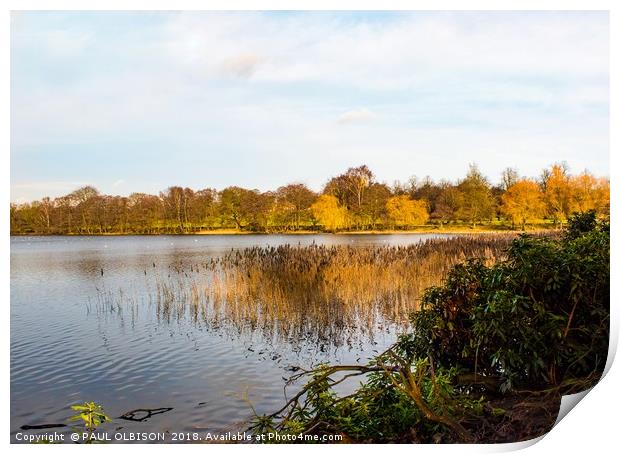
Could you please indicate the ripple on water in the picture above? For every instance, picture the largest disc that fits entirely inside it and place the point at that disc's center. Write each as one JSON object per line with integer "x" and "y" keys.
{"x": 64, "y": 352}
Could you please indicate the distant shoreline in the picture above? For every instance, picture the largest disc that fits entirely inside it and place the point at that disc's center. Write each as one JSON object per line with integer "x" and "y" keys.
{"x": 442, "y": 231}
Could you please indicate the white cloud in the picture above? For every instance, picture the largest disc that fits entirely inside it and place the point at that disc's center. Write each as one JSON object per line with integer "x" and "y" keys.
{"x": 415, "y": 49}
{"x": 354, "y": 116}
{"x": 465, "y": 63}
{"x": 258, "y": 91}
{"x": 243, "y": 66}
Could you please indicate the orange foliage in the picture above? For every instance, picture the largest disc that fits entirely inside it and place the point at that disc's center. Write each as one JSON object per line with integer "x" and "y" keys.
{"x": 522, "y": 202}
{"x": 404, "y": 211}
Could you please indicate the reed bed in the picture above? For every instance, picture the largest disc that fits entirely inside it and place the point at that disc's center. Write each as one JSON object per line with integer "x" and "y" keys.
{"x": 323, "y": 294}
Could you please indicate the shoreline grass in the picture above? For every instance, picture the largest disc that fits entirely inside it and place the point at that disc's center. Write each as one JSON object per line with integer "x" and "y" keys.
{"x": 418, "y": 231}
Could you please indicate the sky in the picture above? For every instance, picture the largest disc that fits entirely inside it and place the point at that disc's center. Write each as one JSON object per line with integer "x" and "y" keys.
{"x": 140, "y": 101}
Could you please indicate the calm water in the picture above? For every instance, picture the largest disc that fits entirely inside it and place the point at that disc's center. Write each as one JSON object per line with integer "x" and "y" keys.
{"x": 64, "y": 351}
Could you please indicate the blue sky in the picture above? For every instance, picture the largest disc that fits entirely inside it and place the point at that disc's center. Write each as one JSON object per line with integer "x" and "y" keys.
{"x": 139, "y": 101}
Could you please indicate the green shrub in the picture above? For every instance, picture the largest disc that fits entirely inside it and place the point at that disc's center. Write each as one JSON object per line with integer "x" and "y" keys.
{"x": 539, "y": 318}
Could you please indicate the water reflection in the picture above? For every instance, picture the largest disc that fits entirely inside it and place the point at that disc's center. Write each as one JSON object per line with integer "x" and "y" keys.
{"x": 325, "y": 295}
{"x": 179, "y": 321}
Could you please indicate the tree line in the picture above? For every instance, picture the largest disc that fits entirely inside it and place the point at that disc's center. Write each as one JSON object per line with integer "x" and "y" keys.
{"x": 352, "y": 201}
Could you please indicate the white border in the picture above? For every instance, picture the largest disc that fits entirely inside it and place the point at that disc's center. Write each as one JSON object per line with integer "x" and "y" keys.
{"x": 591, "y": 426}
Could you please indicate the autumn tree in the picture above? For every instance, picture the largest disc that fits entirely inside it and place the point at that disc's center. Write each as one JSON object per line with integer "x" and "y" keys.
{"x": 509, "y": 177}
{"x": 175, "y": 200}
{"x": 589, "y": 193}
{"x": 557, "y": 192}
{"x": 259, "y": 209}
{"x": 374, "y": 204}
{"x": 448, "y": 204}
{"x": 359, "y": 179}
{"x": 146, "y": 212}
{"x": 113, "y": 214}
{"x": 24, "y": 218}
{"x": 65, "y": 210}
{"x": 329, "y": 212}
{"x": 350, "y": 188}
{"x": 427, "y": 190}
{"x": 477, "y": 202}
{"x": 32, "y": 217}
{"x": 238, "y": 205}
{"x": 403, "y": 211}
{"x": 408, "y": 187}
{"x": 82, "y": 201}
{"x": 294, "y": 203}
{"x": 15, "y": 217}
{"x": 202, "y": 207}
{"x": 46, "y": 207}
{"x": 231, "y": 201}
{"x": 522, "y": 202}
{"x": 352, "y": 200}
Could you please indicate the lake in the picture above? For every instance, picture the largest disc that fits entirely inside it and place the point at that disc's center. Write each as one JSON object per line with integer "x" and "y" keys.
{"x": 72, "y": 341}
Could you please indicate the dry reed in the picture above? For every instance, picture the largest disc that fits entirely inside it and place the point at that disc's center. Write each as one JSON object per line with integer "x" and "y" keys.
{"x": 323, "y": 294}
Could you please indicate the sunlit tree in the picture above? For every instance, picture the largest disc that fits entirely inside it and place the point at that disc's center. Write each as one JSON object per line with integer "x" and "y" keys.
{"x": 448, "y": 204}
{"x": 294, "y": 201}
{"x": 329, "y": 212}
{"x": 522, "y": 202}
{"x": 233, "y": 205}
{"x": 360, "y": 203}
{"x": 349, "y": 188}
{"x": 203, "y": 208}
{"x": 509, "y": 177}
{"x": 403, "y": 211}
{"x": 477, "y": 200}
{"x": 175, "y": 205}
{"x": 375, "y": 199}
{"x": 426, "y": 190}
{"x": 145, "y": 212}
{"x": 246, "y": 208}
{"x": 589, "y": 193}
{"x": 557, "y": 193}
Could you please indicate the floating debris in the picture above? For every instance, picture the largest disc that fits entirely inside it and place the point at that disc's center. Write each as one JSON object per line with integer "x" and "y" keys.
{"x": 142, "y": 414}
{"x": 41, "y": 426}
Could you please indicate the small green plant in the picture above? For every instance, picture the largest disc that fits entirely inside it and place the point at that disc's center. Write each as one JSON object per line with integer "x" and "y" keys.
{"x": 92, "y": 414}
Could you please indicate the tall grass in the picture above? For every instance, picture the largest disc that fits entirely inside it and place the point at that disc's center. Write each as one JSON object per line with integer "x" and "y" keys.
{"x": 324, "y": 294}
